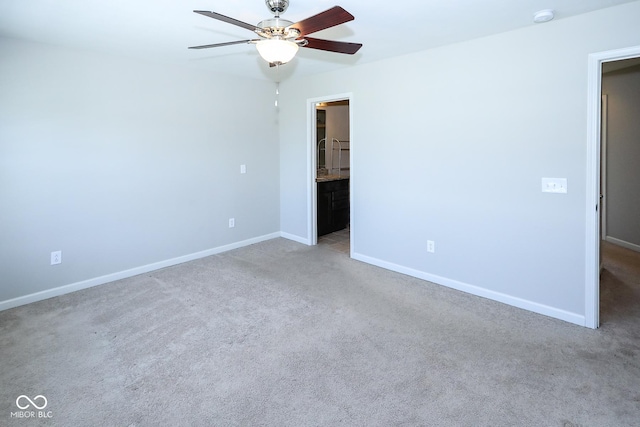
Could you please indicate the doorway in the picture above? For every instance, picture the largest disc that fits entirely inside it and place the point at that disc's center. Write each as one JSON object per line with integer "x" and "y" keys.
{"x": 620, "y": 176}
{"x": 620, "y": 185}
{"x": 594, "y": 178}
{"x": 330, "y": 172}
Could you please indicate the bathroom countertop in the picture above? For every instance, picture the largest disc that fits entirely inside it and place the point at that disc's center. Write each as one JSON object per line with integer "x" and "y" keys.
{"x": 324, "y": 178}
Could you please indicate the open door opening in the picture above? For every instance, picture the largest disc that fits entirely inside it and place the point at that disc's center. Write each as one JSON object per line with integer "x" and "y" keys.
{"x": 331, "y": 173}
{"x": 598, "y": 180}
{"x": 619, "y": 187}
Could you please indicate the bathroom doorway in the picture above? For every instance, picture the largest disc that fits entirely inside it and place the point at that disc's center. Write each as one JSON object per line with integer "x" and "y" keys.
{"x": 330, "y": 203}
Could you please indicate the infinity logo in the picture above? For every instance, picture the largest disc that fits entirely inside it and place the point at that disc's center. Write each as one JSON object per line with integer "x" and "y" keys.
{"x": 31, "y": 402}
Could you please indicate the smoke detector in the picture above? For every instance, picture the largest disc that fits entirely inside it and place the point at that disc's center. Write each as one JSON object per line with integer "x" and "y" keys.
{"x": 541, "y": 16}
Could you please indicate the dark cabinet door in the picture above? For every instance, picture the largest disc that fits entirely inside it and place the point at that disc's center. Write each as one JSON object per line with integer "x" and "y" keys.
{"x": 333, "y": 206}
{"x": 340, "y": 207}
{"x": 324, "y": 211}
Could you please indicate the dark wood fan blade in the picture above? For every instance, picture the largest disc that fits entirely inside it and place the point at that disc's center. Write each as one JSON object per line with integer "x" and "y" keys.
{"x": 206, "y": 46}
{"x": 226, "y": 19}
{"x": 327, "y": 19}
{"x": 333, "y": 46}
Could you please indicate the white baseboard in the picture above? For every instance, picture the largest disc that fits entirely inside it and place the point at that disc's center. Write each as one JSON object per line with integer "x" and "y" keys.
{"x": 471, "y": 289}
{"x": 546, "y": 310}
{"x": 295, "y": 238}
{"x": 623, "y": 243}
{"x": 65, "y": 289}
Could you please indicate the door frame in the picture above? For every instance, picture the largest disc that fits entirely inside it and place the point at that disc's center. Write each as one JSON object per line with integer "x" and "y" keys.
{"x": 603, "y": 167}
{"x": 312, "y": 201}
{"x": 594, "y": 111}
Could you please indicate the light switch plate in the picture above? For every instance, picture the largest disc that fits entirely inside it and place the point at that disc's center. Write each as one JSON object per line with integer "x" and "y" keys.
{"x": 243, "y": 168}
{"x": 554, "y": 185}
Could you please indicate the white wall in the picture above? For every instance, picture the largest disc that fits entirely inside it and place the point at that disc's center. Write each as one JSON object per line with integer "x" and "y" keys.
{"x": 122, "y": 164}
{"x": 623, "y": 156}
{"x": 475, "y": 126}
{"x": 338, "y": 128}
{"x": 338, "y": 122}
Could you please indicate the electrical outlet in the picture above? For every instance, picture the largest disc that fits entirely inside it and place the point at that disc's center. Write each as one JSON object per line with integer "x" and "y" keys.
{"x": 56, "y": 257}
{"x": 431, "y": 246}
{"x": 232, "y": 222}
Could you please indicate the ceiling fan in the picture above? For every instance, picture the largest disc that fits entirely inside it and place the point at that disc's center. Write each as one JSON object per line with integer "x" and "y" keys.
{"x": 280, "y": 39}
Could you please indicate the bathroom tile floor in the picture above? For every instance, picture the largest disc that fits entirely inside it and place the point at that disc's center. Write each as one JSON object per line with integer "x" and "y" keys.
{"x": 337, "y": 241}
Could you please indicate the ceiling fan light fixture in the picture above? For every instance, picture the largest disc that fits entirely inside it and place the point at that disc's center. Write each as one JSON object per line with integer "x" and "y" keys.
{"x": 277, "y": 51}
{"x": 280, "y": 39}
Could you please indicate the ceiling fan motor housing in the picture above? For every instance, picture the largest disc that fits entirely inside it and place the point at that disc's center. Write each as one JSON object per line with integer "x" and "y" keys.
{"x": 277, "y": 28}
{"x": 277, "y": 6}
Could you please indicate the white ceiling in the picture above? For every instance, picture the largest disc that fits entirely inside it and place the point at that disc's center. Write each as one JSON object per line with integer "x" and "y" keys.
{"x": 161, "y": 30}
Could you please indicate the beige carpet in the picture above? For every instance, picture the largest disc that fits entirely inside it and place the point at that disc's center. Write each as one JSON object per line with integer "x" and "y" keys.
{"x": 281, "y": 334}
